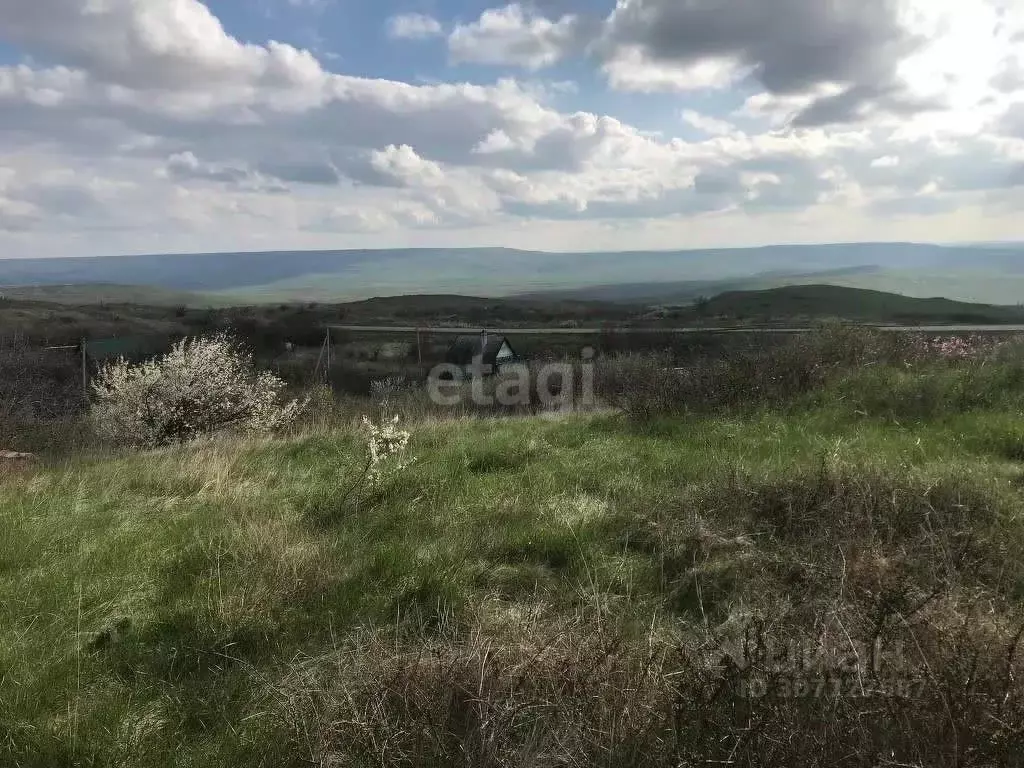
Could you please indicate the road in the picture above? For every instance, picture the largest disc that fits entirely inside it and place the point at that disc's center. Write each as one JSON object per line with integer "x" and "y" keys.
{"x": 937, "y": 329}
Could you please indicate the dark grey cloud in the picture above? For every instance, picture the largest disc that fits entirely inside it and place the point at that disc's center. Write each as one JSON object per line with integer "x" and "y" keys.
{"x": 301, "y": 172}
{"x": 847, "y": 106}
{"x": 717, "y": 182}
{"x": 789, "y": 46}
{"x": 859, "y": 102}
{"x": 358, "y": 169}
{"x": 186, "y": 166}
{"x": 978, "y": 165}
{"x": 799, "y": 182}
{"x": 792, "y": 44}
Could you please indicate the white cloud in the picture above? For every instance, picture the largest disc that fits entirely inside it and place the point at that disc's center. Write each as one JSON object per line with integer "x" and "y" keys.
{"x": 709, "y": 125}
{"x": 513, "y": 36}
{"x": 413, "y": 26}
{"x": 630, "y": 70}
{"x": 152, "y": 45}
{"x": 404, "y": 165}
{"x": 155, "y": 128}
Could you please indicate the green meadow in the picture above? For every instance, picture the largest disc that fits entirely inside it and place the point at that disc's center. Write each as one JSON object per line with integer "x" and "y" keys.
{"x": 562, "y": 590}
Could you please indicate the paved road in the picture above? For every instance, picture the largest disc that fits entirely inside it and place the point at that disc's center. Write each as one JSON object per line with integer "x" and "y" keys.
{"x": 938, "y": 329}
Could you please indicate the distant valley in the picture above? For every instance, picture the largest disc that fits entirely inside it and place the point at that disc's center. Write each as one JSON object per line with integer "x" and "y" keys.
{"x": 987, "y": 273}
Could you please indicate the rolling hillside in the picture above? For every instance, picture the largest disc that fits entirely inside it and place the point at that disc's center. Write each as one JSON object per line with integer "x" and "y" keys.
{"x": 268, "y": 324}
{"x": 104, "y": 293}
{"x": 971, "y": 286}
{"x": 990, "y": 274}
{"x": 828, "y": 301}
{"x": 561, "y": 591}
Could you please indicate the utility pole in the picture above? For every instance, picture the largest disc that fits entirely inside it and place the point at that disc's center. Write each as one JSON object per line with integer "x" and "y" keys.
{"x": 319, "y": 360}
{"x": 328, "y": 342}
{"x": 419, "y": 346}
{"x": 85, "y": 372}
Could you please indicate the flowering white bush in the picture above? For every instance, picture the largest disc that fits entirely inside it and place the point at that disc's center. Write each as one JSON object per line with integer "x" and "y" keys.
{"x": 387, "y": 443}
{"x": 199, "y": 387}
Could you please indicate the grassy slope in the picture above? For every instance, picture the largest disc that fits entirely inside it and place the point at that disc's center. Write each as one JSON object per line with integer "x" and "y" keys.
{"x": 963, "y": 285}
{"x": 84, "y": 294}
{"x": 160, "y": 608}
{"x": 989, "y": 287}
{"x": 979, "y": 286}
{"x": 302, "y": 324}
{"x": 817, "y": 301}
{"x": 66, "y": 323}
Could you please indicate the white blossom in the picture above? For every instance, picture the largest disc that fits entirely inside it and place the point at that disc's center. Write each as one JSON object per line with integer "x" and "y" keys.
{"x": 200, "y": 386}
{"x": 387, "y": 443}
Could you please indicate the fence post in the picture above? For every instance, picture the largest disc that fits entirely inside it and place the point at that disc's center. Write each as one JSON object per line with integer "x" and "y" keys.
{"x": 85, "y": 372}
{"x": 319, "y": 359}
{"x": 328, "y": 356}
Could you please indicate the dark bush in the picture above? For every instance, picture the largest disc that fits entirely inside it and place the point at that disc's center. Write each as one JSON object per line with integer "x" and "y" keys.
{"x": 773, "y": 374}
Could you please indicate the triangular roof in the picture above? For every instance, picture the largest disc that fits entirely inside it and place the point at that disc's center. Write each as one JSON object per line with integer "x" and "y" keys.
{"x": 466, "y": 348}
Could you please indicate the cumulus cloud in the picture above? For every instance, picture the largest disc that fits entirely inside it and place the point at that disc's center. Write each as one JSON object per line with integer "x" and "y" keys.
{"x": 790, "y": 44}
{"x": 163, "y": 45}
{"x": 712, "y": 126}
{"x": 629, "y": 69}
{"x": 404, "y": 166}
{"x": 174, "y": 128}
{"x": 514, "y": 36}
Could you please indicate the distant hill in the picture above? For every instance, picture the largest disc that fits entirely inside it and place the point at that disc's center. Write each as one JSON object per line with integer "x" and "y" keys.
{"x": 794, "y": 303}
{"x": 687, "y": 291}
{"x": 987, "y": 273}
{"x": 102, "y": 293}
{"x": 273, "y": 324}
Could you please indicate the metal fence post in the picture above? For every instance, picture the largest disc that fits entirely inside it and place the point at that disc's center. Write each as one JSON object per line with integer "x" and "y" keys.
{"x": 85, "y": 372}
{"x": 328, "y": 357}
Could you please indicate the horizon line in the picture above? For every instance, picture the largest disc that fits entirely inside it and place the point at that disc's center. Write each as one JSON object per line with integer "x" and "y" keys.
{"x": 714, "y": 249}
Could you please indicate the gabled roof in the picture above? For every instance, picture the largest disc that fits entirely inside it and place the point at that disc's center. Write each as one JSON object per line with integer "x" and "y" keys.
{"x": 465, "y": 348}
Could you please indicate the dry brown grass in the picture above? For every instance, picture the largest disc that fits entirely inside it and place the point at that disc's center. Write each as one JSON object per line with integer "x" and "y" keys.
{"x": 944, "y": 691}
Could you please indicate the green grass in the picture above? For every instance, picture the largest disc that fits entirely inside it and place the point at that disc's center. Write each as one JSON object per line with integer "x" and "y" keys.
{"x": 854, "y": 304}
{"x": 528, "y": 592}
{"x": 102, "y": 293}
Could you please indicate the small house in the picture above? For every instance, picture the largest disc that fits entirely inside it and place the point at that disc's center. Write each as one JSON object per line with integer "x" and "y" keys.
{"x": 491, "y": 351}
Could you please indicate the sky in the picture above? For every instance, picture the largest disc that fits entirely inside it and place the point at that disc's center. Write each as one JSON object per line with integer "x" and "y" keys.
{"x": 152, "y": 126}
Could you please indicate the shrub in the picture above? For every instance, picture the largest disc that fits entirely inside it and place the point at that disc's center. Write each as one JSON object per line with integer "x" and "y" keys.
{"x": 201, "y": 386}
{"x": 932, "y": 375}
{"x": 387, "y": 443}
{"x": 40, "y": 399}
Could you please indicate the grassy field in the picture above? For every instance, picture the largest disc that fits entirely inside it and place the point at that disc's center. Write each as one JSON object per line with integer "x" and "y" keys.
{"x": 552, "y": 591}
{"x": 89, "y": 294}
{"x": 965, "y": 284}
{"x": 39, "y": 315}
{"x": 855, "y": 304}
